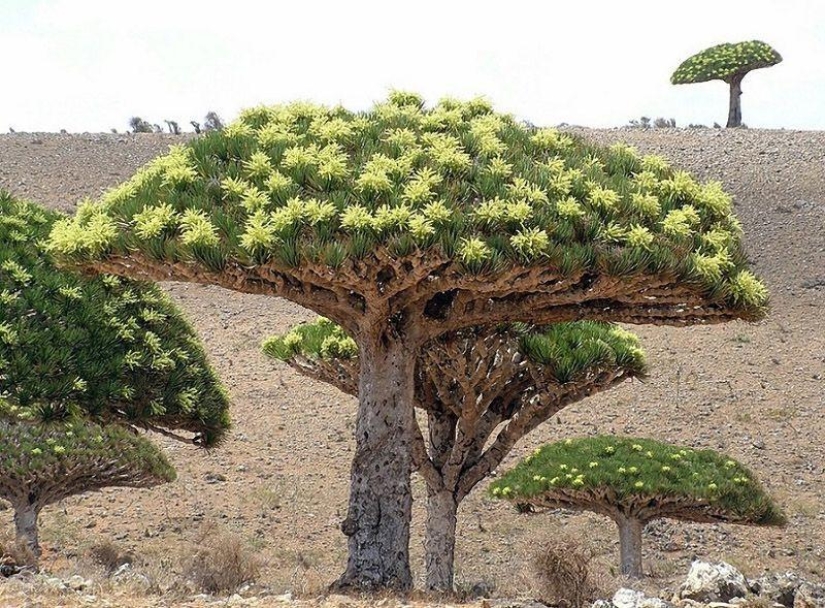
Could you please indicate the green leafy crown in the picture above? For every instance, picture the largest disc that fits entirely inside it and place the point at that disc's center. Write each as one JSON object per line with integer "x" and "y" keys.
{"x": 723, "y": 61}
{"x": 303, "y": 184}
{"x": 631, "y": 468}
{"x": 47, "y": 454}
{"x": 106, "y": 348}
{"x": 565, "y": 350}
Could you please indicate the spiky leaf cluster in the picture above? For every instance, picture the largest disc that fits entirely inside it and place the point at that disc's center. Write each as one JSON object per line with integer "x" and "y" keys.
{"x": 565, "y": 351}
{"x": 302, "y": 184}
{"x": 621, "y": 471}
{"x": 106, "y": 348}
{"x": 724, "y": 61}
{"x": 41, "y": 463}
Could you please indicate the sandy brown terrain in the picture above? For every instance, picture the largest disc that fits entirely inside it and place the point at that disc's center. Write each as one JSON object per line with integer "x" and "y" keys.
{"x": 280, "y": 482}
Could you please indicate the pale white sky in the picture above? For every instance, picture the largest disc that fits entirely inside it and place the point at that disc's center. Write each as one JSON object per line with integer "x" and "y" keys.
{"x": 89, "y": 65}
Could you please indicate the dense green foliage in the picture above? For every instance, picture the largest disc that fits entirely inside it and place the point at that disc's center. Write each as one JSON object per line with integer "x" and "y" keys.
{"x": 634, "y": 468}
{"x": 565, "y": 350}
{"x": 40, "y": 456}
{"x": 304, "y": 184}
{"x": 104, "y": 348}
{"x": 723, "y": 61}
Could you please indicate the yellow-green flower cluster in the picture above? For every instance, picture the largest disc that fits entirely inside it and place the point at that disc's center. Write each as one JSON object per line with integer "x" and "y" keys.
{"x": 723, "y": 61}
{"x": 306, "y": 184}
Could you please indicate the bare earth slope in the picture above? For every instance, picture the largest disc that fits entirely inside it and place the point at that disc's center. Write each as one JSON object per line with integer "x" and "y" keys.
{"x": 280, "y": 482}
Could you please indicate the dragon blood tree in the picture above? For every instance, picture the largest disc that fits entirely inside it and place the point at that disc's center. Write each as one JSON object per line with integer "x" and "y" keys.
{"x": 43, "y": 463}
{"x": 634, "y": 481}
{"x": 404, "y": 223}
{"x": 112, "y": 352}
{"x": 482, "y": 391}
{"x": 729, "y": 63}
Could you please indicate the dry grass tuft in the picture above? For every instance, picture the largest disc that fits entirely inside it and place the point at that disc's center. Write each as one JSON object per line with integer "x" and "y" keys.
{"x": 15, "y": 554}
{"x": 563, "y": 573}
{"x": 222, "y": 564}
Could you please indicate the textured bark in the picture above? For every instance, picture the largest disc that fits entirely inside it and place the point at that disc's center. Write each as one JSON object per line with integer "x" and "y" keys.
{"x": 439, "y": 542}
{"x": 630, "y": 545}
{"x": 380, "y": 507}
{"x": 25, "y": 524}
{"x": 735, "y": 103}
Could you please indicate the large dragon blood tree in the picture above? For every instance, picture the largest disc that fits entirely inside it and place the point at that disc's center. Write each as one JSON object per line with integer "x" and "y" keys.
{"x": 482, "y": 390}
{"x": 84, "y": 365}
{"x": 635, "y": 481}
{"x": 404, "y": 223}
{"x": 729, "y": 63}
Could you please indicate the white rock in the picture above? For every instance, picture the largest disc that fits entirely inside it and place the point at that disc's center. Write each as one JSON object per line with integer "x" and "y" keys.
{"x": 713, "y": 583}
{"x": 628, "y": 598}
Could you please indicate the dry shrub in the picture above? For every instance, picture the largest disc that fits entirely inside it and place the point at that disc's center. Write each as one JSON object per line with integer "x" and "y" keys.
{"x": 109, "y": 556}
{"x": 15, "y": 555}
{"x": 563, "y": 574}
{"x": 221, "y": 564}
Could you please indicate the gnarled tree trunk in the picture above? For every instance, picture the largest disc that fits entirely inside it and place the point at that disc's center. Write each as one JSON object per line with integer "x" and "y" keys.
{"x": 630, "y": 545}
{"x": 735, "y": 103}
{"x": 380, "y": 506}
{"x": 25, "y": 523}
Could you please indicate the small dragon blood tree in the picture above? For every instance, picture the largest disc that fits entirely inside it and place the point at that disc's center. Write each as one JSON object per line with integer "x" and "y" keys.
{"x": 42, "y": 463}
{"x": 634, "y": 481}
{"x": 404, "y": 223}
{"x": 729, "y": 63}
{"x": 84, "y": 364}
{"x": 482, "y": 391}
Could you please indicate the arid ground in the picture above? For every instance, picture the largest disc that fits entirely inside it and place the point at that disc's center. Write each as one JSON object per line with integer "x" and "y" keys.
{"x": 279, "y": 484}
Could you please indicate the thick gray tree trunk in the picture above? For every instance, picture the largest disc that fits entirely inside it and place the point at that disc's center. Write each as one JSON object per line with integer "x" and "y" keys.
{"x": 25, "y": 523}
{"x": 439, "y": 541}
{"x": 378, "y": 520}
{"x": 735, "y": 103}
{"x": 630, "y": 545}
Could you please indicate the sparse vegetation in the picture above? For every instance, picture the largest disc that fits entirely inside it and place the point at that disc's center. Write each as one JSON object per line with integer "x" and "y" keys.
{"x": 564, "y": 571}
{"x": 221, "y": 564}
{"x": 212, "y": 122}
{"x": 138, "y": 125}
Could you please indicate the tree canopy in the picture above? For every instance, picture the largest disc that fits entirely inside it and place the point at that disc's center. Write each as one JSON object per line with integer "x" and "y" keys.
{"x": 106, "y": 348}
{"x": 52, "y": 461}
{"x": 368, "y": 204}
{"x": 724, "y": 61}
{"x": 642, "y": 478}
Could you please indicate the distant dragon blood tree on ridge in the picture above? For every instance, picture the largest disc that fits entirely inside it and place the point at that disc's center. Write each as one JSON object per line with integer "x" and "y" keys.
{"x": 729, "y": 63}
{"x": 84, "y": 364}
{"x": 404, "y": 223}
{"x": 483, "y": 390}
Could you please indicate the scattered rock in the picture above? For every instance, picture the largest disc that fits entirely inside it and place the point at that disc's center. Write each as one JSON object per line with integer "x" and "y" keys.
{"x": 809, "y": 595}
{"x": 777, "y": 588}
{"x": 78, "y": 583}
{"x": 713, "y": 583}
